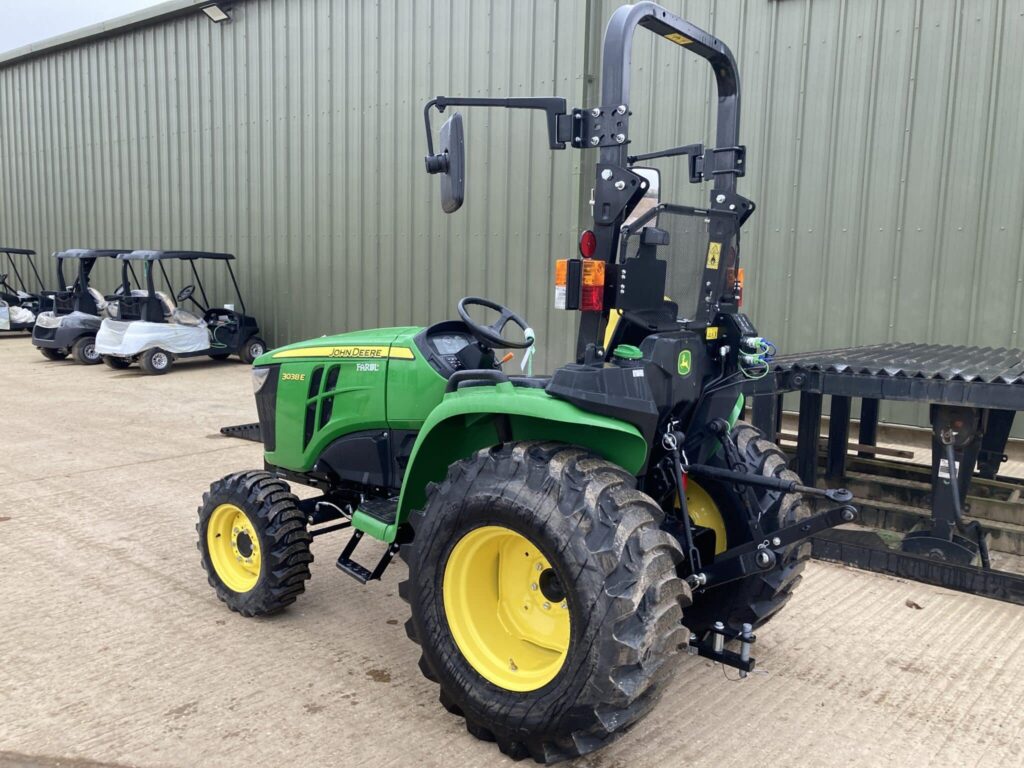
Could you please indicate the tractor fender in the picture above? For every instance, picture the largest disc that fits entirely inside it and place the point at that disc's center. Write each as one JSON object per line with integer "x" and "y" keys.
{"x": 477, "y": 417}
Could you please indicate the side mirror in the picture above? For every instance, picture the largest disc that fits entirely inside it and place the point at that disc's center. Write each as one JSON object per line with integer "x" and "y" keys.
{"x": 450, "y": 162}
{"x": 652, "y": 195}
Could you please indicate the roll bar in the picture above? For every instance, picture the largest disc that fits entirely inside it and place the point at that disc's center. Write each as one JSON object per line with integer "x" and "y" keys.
{"x": 616, "y": 59}
{"x": 617, "y": 188}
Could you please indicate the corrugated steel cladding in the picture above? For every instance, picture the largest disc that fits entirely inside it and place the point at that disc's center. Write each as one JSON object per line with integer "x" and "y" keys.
{"x": 884, "y": 143}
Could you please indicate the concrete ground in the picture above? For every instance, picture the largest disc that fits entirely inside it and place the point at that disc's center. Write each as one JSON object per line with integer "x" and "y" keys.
{"x": 114, "y": 651}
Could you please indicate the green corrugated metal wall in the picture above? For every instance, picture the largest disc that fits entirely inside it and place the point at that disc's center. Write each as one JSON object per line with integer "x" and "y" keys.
{"x": 294, "y": 137}
{"x": 883, "y": 136}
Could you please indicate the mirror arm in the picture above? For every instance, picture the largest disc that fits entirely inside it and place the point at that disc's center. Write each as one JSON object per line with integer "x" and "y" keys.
{"x": 694, "y": 150}
{"x": 553, "y": 108}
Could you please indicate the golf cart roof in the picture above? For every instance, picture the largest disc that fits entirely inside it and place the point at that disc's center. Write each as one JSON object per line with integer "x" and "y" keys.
{"x": 182, "y": 255}
{"x": 23, "y": 251}
{"x": 88, "y": 253}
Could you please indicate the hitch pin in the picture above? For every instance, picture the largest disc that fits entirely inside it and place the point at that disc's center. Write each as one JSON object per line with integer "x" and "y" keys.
{"x": 747, "y": 641}
{"x": 718, "y": 641}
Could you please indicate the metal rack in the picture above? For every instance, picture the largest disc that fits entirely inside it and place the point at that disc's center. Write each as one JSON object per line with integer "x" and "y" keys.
{"x": 973, "y": 394}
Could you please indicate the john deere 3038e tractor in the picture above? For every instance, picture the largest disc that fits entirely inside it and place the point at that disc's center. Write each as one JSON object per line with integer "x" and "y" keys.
{"x": 567, "y": 536}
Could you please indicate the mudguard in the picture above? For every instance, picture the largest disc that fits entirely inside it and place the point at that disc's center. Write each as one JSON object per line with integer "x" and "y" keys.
{"x": 476, "y": 417}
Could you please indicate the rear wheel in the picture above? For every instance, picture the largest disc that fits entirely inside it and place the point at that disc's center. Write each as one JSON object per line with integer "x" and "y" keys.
{"x": 252, "y": 349}
{"x": 117, "y": 363}
{"x": 84, "y": 351}
{"x": 755, "y": 599}
{"x": 53, "y": 354}
{"x": 545, "y": 598}
{"x": 253, "y": 543}
{"x": 156, "y": 361}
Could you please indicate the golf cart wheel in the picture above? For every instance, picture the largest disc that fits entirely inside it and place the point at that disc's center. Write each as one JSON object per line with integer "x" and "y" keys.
{"x": 53, "y": 354}
{"x": 219, "y": 355}
{"x": 84, "y": 351}
{"x": 117, "y": 363}
{"x": 253, "y": 543}
{"x": 156, "y": 361}
{"x": 252, "y": 349}
{"x": 755, "y": 599}
{"x": 544, "y": 597}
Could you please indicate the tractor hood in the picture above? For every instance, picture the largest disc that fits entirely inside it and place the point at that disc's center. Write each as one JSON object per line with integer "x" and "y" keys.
{"x": 370, "y": 344}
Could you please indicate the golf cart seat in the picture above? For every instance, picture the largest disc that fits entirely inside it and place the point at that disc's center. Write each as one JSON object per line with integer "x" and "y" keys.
{"x": 167, "y": 301}
{"x": 101, "y": 303}
{"x": 184, "y": 317}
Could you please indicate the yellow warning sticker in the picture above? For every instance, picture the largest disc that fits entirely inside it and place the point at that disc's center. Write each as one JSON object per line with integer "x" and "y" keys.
{"x": 711, "y": 333}
{"x": 714, "y": 255}
{"x": 678, "y": 39}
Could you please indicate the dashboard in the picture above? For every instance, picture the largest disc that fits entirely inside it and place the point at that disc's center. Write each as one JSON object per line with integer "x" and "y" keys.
{"x": 449, "y": 344}
{"x": 450, "y": 347}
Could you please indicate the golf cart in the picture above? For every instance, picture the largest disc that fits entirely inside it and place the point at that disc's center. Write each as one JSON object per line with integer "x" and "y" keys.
{"x": 148, "y": 326}
{"x": 19, "y": 298}
{"x": 70, "y": 326}
{"x": 568, "y": 535}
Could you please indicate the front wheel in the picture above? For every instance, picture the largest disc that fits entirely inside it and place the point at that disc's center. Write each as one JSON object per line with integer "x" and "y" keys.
{"x": 544, "y": 597}
{"x": 252, "y": 349}
{"x": 156, "y": 361}
{"x": 53, "y": 354}
{"x": 253, "y": 543}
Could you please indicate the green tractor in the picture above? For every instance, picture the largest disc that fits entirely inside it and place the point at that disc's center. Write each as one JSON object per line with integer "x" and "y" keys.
{"x": 568, "y": 537}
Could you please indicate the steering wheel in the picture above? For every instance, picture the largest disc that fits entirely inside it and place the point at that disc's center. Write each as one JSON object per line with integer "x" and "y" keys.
{"x": 119, "y": 291}
{"x": 185, "y": 293}
{"x": 490, "y": 335}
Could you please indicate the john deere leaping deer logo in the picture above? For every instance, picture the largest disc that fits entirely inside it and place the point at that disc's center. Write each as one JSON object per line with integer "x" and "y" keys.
{"x": 685, "y": 363}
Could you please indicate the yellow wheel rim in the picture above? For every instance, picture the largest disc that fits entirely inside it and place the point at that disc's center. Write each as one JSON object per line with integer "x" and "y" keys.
{"x": 234, "y": 548}
{"x": 705, "y": 513}
{"x": 506, "y": 608}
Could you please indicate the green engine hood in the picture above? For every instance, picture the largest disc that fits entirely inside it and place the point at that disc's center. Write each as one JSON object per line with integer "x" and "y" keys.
{"x": 369, "y": 344}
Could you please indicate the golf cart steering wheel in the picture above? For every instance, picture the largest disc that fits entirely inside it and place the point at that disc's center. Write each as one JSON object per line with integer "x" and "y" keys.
{"x": 185, "y": 293}
{"x": 490, "y": 335}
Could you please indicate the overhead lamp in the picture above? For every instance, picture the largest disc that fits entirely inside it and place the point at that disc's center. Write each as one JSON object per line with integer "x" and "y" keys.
{"x": 215, "y": 13}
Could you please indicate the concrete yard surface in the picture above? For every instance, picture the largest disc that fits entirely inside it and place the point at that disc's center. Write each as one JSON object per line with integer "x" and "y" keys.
{"x": 115, "y": 651}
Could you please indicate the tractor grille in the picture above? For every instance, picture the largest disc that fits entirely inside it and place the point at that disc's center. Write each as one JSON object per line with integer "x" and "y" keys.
{"x": 319, "y": 400}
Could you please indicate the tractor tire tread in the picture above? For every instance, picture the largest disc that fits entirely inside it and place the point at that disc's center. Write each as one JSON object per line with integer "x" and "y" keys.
{"x": 273, "y": 510}
{"x": 596, "y": 504}
{"x": 758, "y": 598}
